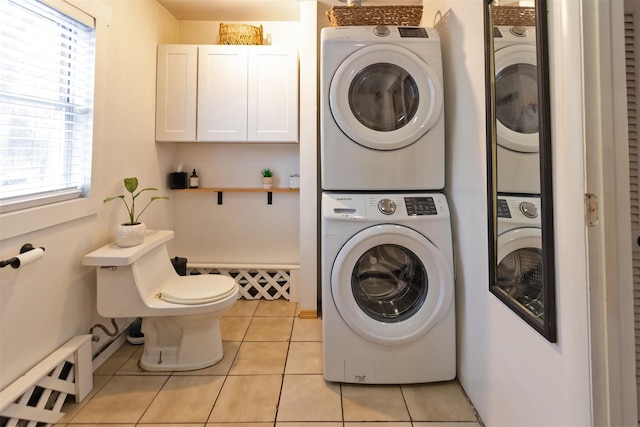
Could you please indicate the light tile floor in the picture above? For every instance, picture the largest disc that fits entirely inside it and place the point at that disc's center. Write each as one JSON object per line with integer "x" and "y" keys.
{"x": 271, "y": 375}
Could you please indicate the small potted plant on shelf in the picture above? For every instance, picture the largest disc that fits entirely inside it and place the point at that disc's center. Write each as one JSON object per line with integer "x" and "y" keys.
{"x": 267, "y": 178}
{"x": 132, "y": 233}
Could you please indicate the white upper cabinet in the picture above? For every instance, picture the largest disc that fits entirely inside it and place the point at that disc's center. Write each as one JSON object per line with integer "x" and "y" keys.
{"x": 222, "y": 93}
{"x": 273, "y": 94}
{"x": 176, "y": 90}
{"x": 244, "y": 94}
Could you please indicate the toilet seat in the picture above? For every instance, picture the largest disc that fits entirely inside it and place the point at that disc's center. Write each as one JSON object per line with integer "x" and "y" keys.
{"x": 193, "y": 290}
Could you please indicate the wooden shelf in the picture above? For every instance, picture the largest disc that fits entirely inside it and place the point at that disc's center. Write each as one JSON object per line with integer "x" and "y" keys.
{"x": 241, "y": 189}
{"x": 221, "y": 190}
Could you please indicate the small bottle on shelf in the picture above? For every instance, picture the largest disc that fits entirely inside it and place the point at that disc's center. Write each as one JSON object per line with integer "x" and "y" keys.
{"x": 193, "y": 180}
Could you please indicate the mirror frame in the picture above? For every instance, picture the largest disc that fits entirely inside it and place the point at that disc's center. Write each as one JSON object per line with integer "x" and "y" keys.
{"x": 547, "y": 327}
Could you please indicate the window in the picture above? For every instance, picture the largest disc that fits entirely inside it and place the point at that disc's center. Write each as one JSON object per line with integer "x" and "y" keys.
{"x": 47, "y": 62}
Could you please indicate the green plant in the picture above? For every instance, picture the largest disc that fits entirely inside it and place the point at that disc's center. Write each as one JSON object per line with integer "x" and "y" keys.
{"x": 267, "y": 173}
{"x": 131, "y": 184}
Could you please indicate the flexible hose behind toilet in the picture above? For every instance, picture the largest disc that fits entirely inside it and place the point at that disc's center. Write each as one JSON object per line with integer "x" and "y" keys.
{"x": 96, "y": 338}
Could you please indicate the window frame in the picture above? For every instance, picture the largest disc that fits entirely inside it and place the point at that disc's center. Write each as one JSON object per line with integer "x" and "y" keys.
{"x": 17, "y": 223}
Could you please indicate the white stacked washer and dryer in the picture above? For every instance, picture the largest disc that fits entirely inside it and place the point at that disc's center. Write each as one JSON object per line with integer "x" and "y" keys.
{"x": 387, "y": 254}
{"x": 519, "y": 271}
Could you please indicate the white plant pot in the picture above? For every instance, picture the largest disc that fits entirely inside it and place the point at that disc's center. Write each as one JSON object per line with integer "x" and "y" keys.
{"x": 267, "y": 182}
{"x": 130, "y": 235}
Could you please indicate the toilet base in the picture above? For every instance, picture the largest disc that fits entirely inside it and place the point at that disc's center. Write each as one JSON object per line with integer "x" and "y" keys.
{"x": 181, "y": 343}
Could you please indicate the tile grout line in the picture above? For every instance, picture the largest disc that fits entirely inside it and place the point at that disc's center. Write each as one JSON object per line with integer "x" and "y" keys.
{"x": 284, "y": 371}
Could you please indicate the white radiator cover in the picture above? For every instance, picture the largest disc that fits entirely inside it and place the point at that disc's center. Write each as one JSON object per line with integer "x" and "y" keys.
{"x": 269, "y": 282}
{"x": 37, "y": 396}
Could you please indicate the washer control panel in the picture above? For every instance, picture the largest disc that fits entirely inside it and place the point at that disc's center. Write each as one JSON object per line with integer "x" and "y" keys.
{"x": 418, "y": 206}
{"x": 527, "y": 208}
{"x": 521, "y": 211}
{"x": 383, "y": 206}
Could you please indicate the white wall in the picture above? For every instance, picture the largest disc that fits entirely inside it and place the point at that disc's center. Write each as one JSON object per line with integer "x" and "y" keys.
{"x": 244, "y": 229}
{"x": 46, "y": 303}
{"x": 513, "y": 376}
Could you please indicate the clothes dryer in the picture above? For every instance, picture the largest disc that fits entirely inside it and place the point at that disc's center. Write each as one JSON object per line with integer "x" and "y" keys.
{"x": 388, "y": 309}
{"x": 519, "y": 272}
{"x": 381, "y": 109}
{"x": 516, "y": 91}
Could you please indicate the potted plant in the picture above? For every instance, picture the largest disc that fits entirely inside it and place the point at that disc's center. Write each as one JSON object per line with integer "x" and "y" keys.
{"x": 267, "y": 178}
{"x": 131, "y": 233}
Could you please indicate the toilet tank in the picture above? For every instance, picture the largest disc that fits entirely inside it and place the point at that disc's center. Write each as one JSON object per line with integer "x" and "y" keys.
{"x": 117, "y": 291}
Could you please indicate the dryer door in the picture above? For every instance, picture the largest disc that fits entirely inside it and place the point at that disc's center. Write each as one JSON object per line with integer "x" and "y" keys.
{"x": 519, "y": 272}
{"x": 390, "y": 284}
{"x": 385, "y": 97}
{"x": 516, "y": 87}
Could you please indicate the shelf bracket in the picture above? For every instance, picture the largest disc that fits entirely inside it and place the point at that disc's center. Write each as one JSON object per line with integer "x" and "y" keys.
{"x": 219, "y": 197}
{"x": 269, "y": 197}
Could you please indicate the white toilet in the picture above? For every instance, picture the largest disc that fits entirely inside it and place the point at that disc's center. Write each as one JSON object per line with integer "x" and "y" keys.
{"x": 180, "y": 314}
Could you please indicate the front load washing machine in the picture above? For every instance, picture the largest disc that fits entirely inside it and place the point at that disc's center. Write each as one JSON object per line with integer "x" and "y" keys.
{"x": 388, "y": 312}
{"x": 381, "y": 109}
{"x": 519, "y": 272}
{"x": 516, "y": 91}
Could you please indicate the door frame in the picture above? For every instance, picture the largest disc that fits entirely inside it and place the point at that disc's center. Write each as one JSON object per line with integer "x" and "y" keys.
{"x": 609, "y": 230}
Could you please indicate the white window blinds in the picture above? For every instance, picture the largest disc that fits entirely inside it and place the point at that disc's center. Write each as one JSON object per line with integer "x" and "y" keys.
{"x": 47, "y": 65}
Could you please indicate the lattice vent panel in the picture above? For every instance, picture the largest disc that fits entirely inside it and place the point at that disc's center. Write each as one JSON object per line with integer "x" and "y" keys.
{"x": 36, "y": 398}
{"x": 254, "y": 283}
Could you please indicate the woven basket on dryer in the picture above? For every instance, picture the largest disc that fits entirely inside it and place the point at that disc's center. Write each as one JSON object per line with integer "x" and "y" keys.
{"x": 375, "y": 15}
{"x": 241, "y": 34}
{"x": 512, "y": 15}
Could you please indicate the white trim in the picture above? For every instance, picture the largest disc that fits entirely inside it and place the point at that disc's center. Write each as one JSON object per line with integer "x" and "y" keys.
{"x": 34, "y": 200}
{"x": 226, "y": 265}
{"x": 609, "y": 245}
{"x": 72, "y": 11}
{"x": 14, "y": 224}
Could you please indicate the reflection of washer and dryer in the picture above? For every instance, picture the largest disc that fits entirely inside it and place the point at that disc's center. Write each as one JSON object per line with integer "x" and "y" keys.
{"x": 516, "y": 92}
{"x": 382, "y": 120}
{"x": 387, "y": 288}
{"x": 519, "y": 272}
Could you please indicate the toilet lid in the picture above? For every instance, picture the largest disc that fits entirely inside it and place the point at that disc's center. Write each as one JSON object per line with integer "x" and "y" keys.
{"x": 203, "y": 289}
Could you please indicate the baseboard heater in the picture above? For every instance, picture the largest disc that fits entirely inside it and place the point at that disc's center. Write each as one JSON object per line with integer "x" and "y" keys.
{"x": 36, "y": 398}
{"x": 256, "y": 281}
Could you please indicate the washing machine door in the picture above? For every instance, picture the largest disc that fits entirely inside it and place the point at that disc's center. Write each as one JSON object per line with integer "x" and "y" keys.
{"x": 516, "y": 91}
{"x": 519, "y": 272}
{"x": 385, "y": 97}
{"x": 390, "y": 284}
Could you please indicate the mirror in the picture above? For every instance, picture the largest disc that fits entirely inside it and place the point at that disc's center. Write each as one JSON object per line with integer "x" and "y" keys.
{"x": 519, "y": 182}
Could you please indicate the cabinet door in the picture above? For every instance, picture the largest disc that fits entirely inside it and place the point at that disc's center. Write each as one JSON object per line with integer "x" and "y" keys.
{"x": 273, "y": 94}
{"x": 222, "y": 93}
{"x": 177, "y": 68}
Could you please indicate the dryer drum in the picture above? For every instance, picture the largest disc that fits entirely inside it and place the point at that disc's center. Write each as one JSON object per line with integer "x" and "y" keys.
{"x": 517, "y": 98}
{"x": 384, "y": 97}
{"x": 519, "y": 274}
{"x": 389, "y": 283}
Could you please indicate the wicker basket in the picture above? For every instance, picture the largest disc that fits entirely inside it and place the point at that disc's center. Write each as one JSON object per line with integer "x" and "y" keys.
{"x": 240, "y": 34}
{"x": 512, "y": 15}
{"x": 375, "y": 15}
